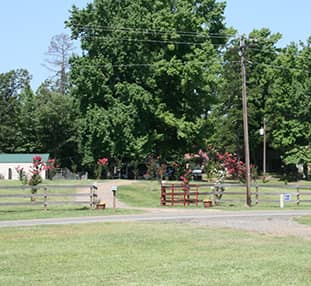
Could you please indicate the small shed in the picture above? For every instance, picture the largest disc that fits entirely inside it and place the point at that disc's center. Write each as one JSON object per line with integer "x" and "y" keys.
{"x": 10, "y": 162}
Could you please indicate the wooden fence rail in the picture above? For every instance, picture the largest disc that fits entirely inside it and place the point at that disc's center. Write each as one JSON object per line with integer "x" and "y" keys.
{"x": 46, "y": 196}
{"x": 173, "y": 194}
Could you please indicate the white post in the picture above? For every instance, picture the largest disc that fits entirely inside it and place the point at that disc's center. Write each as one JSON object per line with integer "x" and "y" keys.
{"x": 281, "y": 201}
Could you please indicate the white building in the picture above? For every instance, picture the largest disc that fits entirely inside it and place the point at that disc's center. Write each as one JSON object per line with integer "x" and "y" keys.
{"x": 9, "y": 163}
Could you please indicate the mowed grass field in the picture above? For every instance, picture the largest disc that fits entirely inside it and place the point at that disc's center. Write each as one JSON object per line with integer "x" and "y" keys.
{"x": 150, "y": 254}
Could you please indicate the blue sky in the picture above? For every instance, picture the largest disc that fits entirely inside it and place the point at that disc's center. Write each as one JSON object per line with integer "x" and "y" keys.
{"x": 27, "y": 27}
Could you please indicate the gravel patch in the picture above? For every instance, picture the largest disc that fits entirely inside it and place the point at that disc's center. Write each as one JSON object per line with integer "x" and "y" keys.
{"x": 280, "y": 226}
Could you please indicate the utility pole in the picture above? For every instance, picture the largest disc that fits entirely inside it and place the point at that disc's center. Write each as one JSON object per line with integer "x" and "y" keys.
{"x": 264, "y": 149}
{"x": 245, "y": 123}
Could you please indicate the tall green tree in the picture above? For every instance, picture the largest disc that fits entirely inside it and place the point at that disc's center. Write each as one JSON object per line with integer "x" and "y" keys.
{"x": 12, "y": 84}
{"x": 56, "y": 126}
{"x": 48, "y": 123}
{"x": 154, "y": 65}
{"x": 289, "y": 106}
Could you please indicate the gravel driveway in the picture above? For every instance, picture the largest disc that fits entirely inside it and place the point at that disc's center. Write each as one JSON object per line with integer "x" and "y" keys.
{"x": 275, "y": 225}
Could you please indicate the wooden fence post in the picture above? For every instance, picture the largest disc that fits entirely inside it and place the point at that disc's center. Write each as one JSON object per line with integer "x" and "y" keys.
{"x": 197, "y": 196}
{"x": 257, "y": 195}
{"x": 173, "y": 195}
{"x": 185, "y": 194}
{"x": 298, "y": 197}
{"x": 163, "y": 195}
{"x": 214, "y": 195}
{"x": 188, "y": 195}
{"x": 45, "y": 198}
{"x": 91, "y": 197}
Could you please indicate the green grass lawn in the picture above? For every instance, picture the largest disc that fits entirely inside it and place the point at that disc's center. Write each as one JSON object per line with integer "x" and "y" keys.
{"x": 150, "y": 254}
{"x": 304, "y": 220}
{"x": 141, "y": 194}
{"x": 67, "y": 210}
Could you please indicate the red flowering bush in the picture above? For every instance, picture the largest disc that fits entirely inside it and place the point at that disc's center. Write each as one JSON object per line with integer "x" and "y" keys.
{"x": 219, "y": 165}
{"x": 103, "y": 161}
{"x": 33, "y": 177}
{"x": 35, "y": 170}
{"x": 234, "y": 166}
{"x": 102, "y": 164}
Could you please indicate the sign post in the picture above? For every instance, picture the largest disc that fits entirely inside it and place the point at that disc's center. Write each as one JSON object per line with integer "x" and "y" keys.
{"x": 284, "y": 198}
{"x": 281, "y": 201}
{"x": 114, "y": 193}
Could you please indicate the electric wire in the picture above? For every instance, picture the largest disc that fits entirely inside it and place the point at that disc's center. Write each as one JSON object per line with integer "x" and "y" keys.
{"x": 175, "y": 42}
{"x": 162, "y": 41}
{"x": 155, "y": 31}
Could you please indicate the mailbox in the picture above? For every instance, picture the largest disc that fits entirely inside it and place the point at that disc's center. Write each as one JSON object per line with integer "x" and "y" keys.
{"x": 114, "y": 190}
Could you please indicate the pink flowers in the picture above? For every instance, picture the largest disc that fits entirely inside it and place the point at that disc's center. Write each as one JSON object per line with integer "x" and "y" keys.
{"x": 102, "y": 166}
{"x": 233, "y": 165}
{"x": 35, "y": 170}
{"x": 37, "y": 158}
{"x": 103, "y": 161}
{"x": 50, "y": 164}
{"x": 203, "y": 155}
{"x": 37, "y": 167}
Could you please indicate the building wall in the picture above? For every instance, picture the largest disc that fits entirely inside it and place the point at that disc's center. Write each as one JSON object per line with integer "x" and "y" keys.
{"x": 5, "y": 170}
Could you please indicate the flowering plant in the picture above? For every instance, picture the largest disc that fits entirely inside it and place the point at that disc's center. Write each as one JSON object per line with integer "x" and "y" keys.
{"x": 102, "y": 164}
{"x": 33, "y": 177}
{"x": 103, "y": 161}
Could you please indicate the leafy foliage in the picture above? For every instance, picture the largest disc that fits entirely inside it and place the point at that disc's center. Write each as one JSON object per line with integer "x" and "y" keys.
{"x": 11, "y": 85}
{"x": 159, "y": 79}
{"x": 144, "y": 86}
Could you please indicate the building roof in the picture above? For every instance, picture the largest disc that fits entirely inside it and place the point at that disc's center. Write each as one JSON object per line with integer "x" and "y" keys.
{"x": 21, "y": 158}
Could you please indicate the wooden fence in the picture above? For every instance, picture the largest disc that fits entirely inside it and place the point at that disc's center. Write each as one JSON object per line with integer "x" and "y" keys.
{"x": 44, "y": 197}
{"x": 176, "y": 194}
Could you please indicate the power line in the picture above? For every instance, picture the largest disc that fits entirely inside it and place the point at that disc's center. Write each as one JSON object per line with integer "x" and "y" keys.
{"x": 163, "y": 64}
{"x": 183, "y": 33}
{"x": 155, "y": 31}
{"x": 161, "y": 41}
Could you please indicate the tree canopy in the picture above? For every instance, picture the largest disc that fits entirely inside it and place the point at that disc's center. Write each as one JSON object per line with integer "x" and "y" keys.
{"x": 148, "y": 74}
{"x": 159, "y": 79}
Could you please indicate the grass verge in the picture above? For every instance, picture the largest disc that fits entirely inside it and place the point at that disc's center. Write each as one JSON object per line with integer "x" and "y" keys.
{"x": 304, "y": 220}
{"x": 150, "y": 254}
{"x": 37, "y": 212}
